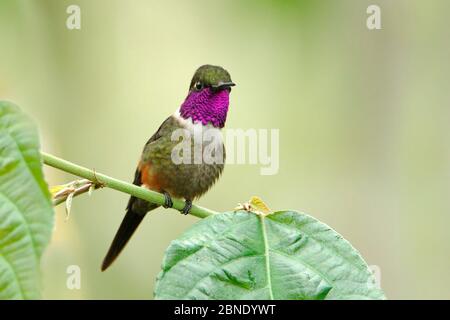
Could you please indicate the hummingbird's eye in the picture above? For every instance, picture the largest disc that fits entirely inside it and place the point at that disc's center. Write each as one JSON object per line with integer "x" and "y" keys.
{"x": 198, "y": 86}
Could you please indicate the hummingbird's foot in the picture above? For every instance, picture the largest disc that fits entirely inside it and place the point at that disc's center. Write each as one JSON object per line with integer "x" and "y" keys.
{"x": 167, "y": 200}
{"x": 187, "y": 207}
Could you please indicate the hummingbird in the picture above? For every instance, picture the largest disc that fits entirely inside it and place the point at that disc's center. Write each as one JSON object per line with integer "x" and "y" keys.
{"x": 205, "y": 107}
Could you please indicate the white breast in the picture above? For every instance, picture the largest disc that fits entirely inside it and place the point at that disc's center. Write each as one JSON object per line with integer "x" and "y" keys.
{"x": 209, "y": 139}
{"x": 198, "y": 127}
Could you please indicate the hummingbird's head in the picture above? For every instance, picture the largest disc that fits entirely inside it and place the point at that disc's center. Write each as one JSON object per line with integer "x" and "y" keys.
{"x": 208, "y": 97}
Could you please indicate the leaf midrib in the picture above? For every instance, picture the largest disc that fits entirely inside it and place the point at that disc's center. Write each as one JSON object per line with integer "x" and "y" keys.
{"x": 267, "y": 257}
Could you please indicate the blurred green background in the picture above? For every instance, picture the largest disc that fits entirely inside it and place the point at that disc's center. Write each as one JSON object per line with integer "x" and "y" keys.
{"x": 363, "y": 118}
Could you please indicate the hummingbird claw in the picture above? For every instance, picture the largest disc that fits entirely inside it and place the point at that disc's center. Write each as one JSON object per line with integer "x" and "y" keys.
{"x": 187, "y": 207}
{"x": 167, "y": 200}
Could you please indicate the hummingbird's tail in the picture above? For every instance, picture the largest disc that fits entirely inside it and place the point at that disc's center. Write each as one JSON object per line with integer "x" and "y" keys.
{"x": 136, "y": 211}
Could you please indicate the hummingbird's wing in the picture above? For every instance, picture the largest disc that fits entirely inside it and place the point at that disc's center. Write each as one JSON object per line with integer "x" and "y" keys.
{"x": 158, "y": 133}
{"x": 136, "y": 210}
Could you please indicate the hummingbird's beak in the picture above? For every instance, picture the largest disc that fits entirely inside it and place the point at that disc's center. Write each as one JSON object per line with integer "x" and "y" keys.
{"x": 223, "y": 85}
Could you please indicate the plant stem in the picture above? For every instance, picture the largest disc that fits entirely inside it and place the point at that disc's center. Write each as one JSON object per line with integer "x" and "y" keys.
{"x": 84, "y": 188}
{"x": 106, "y": 181}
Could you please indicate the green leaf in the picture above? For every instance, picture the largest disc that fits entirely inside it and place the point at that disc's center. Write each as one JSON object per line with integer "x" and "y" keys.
{"x": 26, "y": 212}
{"x": 284, "y": 255}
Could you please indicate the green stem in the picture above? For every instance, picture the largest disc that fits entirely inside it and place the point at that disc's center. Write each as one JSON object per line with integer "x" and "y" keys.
{"x": 106, "y": 181}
